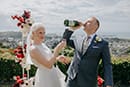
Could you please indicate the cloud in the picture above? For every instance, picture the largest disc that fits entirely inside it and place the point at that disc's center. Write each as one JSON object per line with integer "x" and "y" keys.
{"x": 53, "y": 12}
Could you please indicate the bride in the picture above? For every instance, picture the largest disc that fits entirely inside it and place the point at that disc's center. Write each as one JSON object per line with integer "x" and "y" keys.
{"x": 41, "y": 56}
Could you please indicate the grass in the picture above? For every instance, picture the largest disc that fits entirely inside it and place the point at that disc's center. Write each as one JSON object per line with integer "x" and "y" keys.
{"x": 7, "y": 53}
{"x": 121, "y": 59}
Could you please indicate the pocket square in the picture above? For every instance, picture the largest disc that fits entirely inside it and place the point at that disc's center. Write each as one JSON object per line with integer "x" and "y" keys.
{"x": 95, "y": 47}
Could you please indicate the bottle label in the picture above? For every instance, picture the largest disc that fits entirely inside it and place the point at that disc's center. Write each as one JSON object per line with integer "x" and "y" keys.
{"x": 71, "y": 23}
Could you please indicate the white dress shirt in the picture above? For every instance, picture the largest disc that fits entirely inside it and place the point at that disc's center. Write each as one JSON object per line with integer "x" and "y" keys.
{"x": 78, "y": 40}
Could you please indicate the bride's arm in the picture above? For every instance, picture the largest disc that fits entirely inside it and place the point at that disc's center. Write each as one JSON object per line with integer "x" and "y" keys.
{"x": 34, "y": 53}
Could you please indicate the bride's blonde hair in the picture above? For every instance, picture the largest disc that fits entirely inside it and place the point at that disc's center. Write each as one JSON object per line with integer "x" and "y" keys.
{"x": 34, "y": 28}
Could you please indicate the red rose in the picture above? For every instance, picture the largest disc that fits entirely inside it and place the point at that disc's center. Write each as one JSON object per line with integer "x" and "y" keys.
{"x": 20, "y": 55}
{"x": 20, "y": 81}
{"x": 17, "y": 77}
{"x": 100, "y": 81}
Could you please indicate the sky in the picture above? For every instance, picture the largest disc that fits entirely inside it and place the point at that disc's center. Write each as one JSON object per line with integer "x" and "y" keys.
{"x": 114, "y": 15}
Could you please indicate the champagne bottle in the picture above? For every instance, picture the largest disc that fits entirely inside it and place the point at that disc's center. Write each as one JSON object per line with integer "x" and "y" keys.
{"x": 71, "y": 23}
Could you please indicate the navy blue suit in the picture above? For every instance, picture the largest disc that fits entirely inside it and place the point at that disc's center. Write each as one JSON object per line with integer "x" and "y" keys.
{"x": 83, "y": 69}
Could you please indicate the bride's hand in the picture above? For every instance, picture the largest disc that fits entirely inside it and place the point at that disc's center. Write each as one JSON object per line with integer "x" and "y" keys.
{"x": 59, "y": 47}
{"x": 63, "y": 59}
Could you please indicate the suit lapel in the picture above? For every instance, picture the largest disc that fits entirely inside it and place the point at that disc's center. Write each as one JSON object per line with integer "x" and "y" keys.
{"x": 92, "y": 42}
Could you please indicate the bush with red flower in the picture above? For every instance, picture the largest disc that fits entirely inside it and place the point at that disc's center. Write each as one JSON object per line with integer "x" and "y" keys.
{"x": 24, "y": 21}
{"x": 100, "y": 81}
{"x": 20, "y": 54}
{"x": 23, "y": 82}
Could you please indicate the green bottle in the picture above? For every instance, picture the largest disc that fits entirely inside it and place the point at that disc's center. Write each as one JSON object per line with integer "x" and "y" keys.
{"x": 71, "y": 23}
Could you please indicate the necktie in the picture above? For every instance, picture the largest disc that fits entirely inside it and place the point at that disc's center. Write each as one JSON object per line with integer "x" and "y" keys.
{"x": 85, "y": 44}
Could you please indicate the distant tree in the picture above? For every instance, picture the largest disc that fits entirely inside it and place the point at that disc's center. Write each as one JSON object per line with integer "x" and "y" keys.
{"x": 1, "y": 44}
{"x": 54, "y": 44}
{"x": 128, "y": 51}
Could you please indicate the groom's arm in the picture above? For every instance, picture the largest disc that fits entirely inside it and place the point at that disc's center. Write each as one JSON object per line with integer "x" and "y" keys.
{"x": 68, "y": 32}
{"x": 67, "y": 35}
{"x": 107, "y": 66}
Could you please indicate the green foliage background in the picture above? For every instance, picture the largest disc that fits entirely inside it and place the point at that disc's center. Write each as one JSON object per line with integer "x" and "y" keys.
{"x": 9, "y": 68}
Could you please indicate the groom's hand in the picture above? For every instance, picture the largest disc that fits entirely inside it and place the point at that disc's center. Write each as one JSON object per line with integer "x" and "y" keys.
{"x": 108, "y": 86}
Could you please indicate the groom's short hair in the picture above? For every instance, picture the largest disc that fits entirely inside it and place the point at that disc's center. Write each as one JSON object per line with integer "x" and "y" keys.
{"x": 98, "y": 23}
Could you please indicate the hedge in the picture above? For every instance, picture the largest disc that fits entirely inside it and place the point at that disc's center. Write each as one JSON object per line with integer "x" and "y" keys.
{"x": 8, "y": 69}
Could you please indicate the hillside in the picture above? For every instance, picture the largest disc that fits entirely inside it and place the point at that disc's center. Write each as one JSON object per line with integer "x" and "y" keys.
{"x": 118, "y": 46}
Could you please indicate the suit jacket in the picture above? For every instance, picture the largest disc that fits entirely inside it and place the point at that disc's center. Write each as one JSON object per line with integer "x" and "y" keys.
{"x": 85, "y": 66}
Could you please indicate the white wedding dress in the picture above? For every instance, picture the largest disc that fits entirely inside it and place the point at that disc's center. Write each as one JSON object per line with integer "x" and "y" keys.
{"x": 47, "y": 77}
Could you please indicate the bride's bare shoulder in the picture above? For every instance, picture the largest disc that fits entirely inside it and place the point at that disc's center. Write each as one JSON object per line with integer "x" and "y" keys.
{"x": 33, "y": 48}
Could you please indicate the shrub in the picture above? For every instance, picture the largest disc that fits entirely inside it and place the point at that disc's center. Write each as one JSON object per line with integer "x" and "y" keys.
{"x": 121, "y": 69}
{"x": 8, "y": 69}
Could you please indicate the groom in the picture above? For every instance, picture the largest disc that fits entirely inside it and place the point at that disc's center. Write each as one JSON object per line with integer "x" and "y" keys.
{"x": 83, "y": 68}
